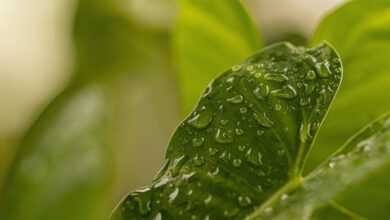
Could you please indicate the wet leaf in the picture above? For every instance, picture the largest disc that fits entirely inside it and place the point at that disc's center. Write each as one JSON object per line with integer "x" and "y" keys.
{"x": 358, "y": 159}
{"x": 247, "y": 138}
{"x": 210, "y": 37}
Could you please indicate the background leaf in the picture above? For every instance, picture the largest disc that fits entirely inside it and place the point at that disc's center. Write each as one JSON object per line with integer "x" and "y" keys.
{"x": 247, "y": 138}
{"x": 211, "y": 36}
{"x": 367, "y": 151}
{"x": 360, "y": 31}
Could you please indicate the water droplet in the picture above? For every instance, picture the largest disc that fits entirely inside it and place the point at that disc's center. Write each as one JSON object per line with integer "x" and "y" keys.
{"x": 214, "y": 172}
{"x": 208, "y": 199}
{"x": 198, "y": 160}
{"x": 237, "y": 162}
{"x": 143, "y": 206}
{"x": 173, "y": 195}
{"x": 224, "y": 122}
{"x": 311, "y": 75}
{"x": 241, "y": 147}
{"x": 158, "y": 216}
{"x": 275, "y": 77}
{"x": 261, "y": 92}
{"x": 239, "y": 131}
{"x": 177, "y": 165}
{"x": 331, "y": 164}
{"x": 284, "y": 197}
{"x": 278, "y": 107}
{"x": 230, "y": 80}
{"x": 231, "y": 212}
{"x": 235, "y": 99}
{"x": 268, "y": 210}
{"x": 243, "y": 110}
{"x": 244, "y": 201}
{"x": 198, "y": 141}
{"x": 201, "y": 120}
{"x": 287, "y": 92}
{"x": 236, "y": 68}
{"x": 250, "y": 68}
{"x": 263, "y": 120}
{"x": 223, "y": 137}
{"x": 213, "y": 151}
{"x": 323, "y": 70}
{"x": 260, "y": 132}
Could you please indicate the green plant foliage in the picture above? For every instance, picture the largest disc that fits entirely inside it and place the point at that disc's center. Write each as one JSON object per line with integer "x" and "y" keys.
{"x": 360, "y": 30}
{"x": 63, "y": 166}
{"x": 211, "y": 36}
{"x": 247, "y": 138}
{"x": 366, "y": 152}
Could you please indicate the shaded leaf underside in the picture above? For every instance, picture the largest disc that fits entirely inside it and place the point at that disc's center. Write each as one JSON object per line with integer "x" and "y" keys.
{"x": 246, "y": 139}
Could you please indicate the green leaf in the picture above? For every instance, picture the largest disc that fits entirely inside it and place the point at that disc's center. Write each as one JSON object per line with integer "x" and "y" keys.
{"x": 366, "y": 152}
{"x": 211, "y": 36}
{"x": 247, "y": 138}
{"x": 63, "y": 165}
{"x": 360, "y": 30}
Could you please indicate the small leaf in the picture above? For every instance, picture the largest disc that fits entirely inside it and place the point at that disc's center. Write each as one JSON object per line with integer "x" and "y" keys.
{"x": 211, "y": 36}
{"x": 236, "y": 150}
{"x": 362, "y": 155}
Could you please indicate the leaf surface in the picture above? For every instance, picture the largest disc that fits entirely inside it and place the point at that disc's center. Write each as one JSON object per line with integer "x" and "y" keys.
{"x": 366, "y": 152}
{"x": 210, "y": 37}
{"x": 246, "y": 139}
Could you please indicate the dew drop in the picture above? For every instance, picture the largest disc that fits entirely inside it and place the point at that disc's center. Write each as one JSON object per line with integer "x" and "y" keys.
{"x": 230, "y": 212}
{"x": 236, "y": 68}
{"x": 237, "y": 162}
{"x": 223, "y": 137}
{"x": 198, "y": 160}
{"x": 173, "y": 195}
{"x": 235, "y": 99}
{"x": 284, "y": 197}
{"x": 239, "y": 131}
{"x": 198, "y": 141}
{"x": 261, "y": 92}
{"x": 263, "y": 120}
{"x": 331, "y": 164}
{"x": 287, "y": 92}
{"x": 243, "y": 110}
{"x": 278, "y": 107}
{"x": 177, "y": 165}
{"x": 311, "y": 75}
{"x": 241, "y": 147}
{"x": 208, "y": 200}
{"x": 214, "y": 172}
{"x": 213, "y": 151}
{"x": 268, "y": 210}
{"x": 323, "y": 70}
{"x": 260, "y": 132}
{"x": 201, "y": 120}
{"x": 250, "y": 68}
{"x": 244, "y": 201}
{"x": 275, "y": 77}
{"x": 158, "y": 216}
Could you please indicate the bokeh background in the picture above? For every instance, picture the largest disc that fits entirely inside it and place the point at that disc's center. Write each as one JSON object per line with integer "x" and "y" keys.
{"x": 37, "y": 57}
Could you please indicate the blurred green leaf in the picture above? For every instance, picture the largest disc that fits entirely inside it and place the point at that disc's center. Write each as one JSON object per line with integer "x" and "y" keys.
{"x": 63, "y": 167}
{"x": 247, "y": 138}
{"x": 360, "y": 30}
{"x": 367, "y": 151}
{"x": 211, "y": 36}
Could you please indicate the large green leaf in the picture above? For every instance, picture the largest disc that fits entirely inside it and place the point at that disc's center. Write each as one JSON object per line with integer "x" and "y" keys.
{"x": 361, "y": 156}
{"x": 211, "y": 36}
{"x": 246, "y": 139}
{"x": 360, "y": 30}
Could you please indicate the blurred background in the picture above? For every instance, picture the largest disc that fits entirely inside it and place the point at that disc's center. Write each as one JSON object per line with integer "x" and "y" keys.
{"x": 37, "y": 58}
